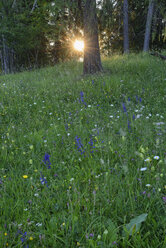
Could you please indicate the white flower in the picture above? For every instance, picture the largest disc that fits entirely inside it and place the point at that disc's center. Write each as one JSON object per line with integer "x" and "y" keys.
{"x": 72, "y": 179}
{"x": 147, "y": 117}
{"x": 159, "y": 123}
{"x": 39, "y": 224}
{"x": 111, "y": 116}
{"x": 148, "y": 185}
{"x": 105, "y": 232}
{"x": 143, "y": 169}
{"x": 36, "y": 194}
{"x": 147, "y": 160}
{"x": 89, "y": 106}
{"x": 138, "y": 116}
{"x": 156, "y": 157}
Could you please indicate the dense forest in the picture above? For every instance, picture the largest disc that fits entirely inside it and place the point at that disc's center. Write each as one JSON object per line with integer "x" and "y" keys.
{"x": 38, "y": 33}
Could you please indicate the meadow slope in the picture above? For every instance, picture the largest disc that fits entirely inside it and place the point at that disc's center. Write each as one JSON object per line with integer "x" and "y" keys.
{"x": 83, "y": 159}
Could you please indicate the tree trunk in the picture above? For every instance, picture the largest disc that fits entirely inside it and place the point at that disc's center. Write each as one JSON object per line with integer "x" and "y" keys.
{"x": 1, "y": 58}
{"x": 125, "y": 27}
{"x": 92, "y": 60}
{"x": 148, "y": 25}
{"x": 5, "y": 56}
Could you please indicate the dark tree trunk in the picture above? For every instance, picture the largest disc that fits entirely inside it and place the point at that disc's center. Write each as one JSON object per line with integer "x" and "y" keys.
{"x": 148, "y": 25}
{"x": 125, "y": 27}
{"x": 92, "y": 60}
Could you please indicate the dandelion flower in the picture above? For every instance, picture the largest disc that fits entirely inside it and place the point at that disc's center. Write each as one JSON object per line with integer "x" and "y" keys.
{"x": 31, "y": 238}
{"x": 25, "y": 176}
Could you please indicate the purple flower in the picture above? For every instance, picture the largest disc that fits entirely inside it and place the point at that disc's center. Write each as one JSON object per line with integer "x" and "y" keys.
{"x": 82, "y": 98}
{"x": 164, "y": 199}
{"x": 79, "y": 145}
{"x": 129, "y": 127}
{"x": 124, "y": 108}
{"x": 87, "y": 236}
{"x": 43, "y": 180}
{"x": 23, "y": 238}
{"x": 46, "y": 160}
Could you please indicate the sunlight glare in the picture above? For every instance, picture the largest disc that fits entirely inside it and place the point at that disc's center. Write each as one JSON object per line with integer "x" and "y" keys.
{"x": 79, "y": 45}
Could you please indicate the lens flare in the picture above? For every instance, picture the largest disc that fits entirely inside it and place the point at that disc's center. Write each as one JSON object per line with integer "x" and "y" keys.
{"x": 79, "y": 45}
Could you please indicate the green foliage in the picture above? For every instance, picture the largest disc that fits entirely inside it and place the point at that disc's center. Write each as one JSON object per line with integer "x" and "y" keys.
{"x": 135, "y": 224}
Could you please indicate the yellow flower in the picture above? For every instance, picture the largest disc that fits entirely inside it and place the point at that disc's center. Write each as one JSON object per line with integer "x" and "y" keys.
{"x": 7, "y": 244}
{"x": 25, "y": 176}
{"x": 35, "y": 170}
{"x": 78, "y": 243}
{"x": 31, "y": 238}
{"x": 63, "y": 224}
{"x": 5, "y": 234}
{"x": 4, "y": 176}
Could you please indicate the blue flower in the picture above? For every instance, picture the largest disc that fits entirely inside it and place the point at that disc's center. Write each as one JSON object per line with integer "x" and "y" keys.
{"x": 24, "y": 238}
{"x": 46, "y": 160}
{"x": 79, "y": 145}
{"x": 82, "y": 98}
{"x": 92, "y": 145}
{"x": 124, "y": 108}
{"x": 43, "y": 180}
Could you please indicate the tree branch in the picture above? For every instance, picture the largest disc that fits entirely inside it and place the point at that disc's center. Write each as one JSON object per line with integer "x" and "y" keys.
{"x": 158, "y": 55}
{"x": 34, "y": 6}
{"x": 14, "y": 2}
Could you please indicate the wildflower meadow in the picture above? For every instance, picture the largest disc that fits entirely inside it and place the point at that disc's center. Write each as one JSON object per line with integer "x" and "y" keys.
{"x": 83, "y": 159}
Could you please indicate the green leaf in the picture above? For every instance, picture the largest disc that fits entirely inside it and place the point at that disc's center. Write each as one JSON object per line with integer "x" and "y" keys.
{"x": 135, "y": 223}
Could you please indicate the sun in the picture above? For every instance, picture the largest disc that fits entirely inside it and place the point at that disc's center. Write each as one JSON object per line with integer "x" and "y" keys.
{"x": 79, "y": 45}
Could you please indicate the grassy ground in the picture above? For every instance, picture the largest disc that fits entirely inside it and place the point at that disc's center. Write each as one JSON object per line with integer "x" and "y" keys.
{"x": 82, "y": 159}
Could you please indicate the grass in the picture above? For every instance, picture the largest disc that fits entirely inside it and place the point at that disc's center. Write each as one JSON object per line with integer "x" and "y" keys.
{"x": 83, "y": 157}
